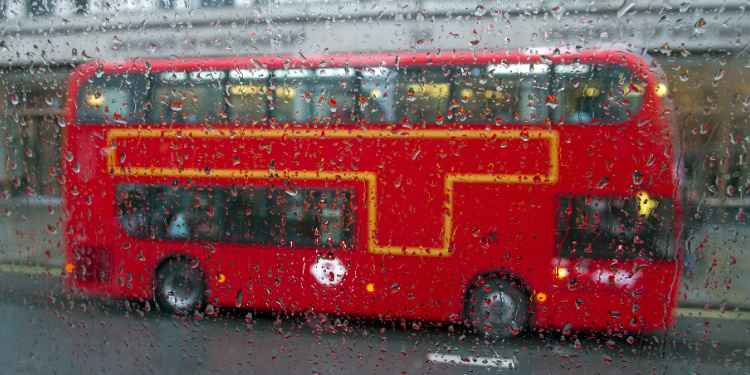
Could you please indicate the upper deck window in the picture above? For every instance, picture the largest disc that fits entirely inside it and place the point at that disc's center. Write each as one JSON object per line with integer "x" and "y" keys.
{"x": 112, "y": 99}
{"x": 501, "y": 93}
{"x": 315, "y": 95}
{"x": 493, "y": 94}
{"x": 422, "y": 94}
{"x": 248, "y": 95}
{"x": 595, "y": 94}
{"x": 377, "y": 94}
{"x": 188, "y": 97}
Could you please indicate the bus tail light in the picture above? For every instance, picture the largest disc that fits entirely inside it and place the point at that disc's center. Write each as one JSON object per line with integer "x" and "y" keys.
{"x": 90, "y": 265}
{"x": 615, "y": 227}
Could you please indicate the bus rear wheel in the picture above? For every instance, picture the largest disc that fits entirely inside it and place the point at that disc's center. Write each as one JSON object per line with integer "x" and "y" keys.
{"x": 180, "y": 287}
{"x": 499, "y": 308}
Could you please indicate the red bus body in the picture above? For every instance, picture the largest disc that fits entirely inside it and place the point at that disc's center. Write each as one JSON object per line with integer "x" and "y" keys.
{"x": 436, "y": 205}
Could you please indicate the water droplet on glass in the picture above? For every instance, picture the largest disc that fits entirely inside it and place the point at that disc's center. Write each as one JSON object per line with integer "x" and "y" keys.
{"x": 480, "y": 11}
{"x": 51, "y": 229}
{"x": 99, "y": 70}
{"x": 14, "y": 99}
{"x": 704, "y": 128}
{"x": 558, "y": 11}
{"x": 567, "y": 329}
{"x": 60, "y": 121}
{"x": 624, "y": 8}
{"x": 637, "y": 178}
{"x": 116, "y": 117}
{"x": 420, "y": 17}
{"x": 700, "y": 26}
{"x": 238, "y": 300}
{"x": 151, "y": 47}
{"x": 719, "y": 75}
{"x": 411, "y": 95}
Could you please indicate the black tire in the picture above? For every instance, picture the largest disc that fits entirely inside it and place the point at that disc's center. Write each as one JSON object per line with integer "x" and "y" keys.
{"x": 498, "y": 308}
{"x": 180, "y": 287}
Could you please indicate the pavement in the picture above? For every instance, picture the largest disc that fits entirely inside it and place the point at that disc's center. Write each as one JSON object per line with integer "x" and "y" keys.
{"x": 716, "y": 275}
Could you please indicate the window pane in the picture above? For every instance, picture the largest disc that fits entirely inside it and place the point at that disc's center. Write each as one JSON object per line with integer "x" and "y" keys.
{"x": 189, "y": 97}
{"x": 292, "y": 96}
{"x": 515, "y": 93}
{"x": 596, "y": 94}
{"x": 112, "y": 99}
{"x": 187, "y": 213}
{"x": 335, "y": 99}
{"x": 248, "y": 95}
{"x": 319, "y": 96}
{"x": 423, "y": 94}
{"x": 378, "y": 86}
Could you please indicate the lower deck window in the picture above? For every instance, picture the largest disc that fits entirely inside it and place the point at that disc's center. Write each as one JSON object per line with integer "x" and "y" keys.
{"x": 318, "y": 217}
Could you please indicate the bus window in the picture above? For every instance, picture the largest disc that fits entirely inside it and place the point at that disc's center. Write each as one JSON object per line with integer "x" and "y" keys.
{"x": 598, "y": 94}
{"x": 422, "y": 95}
{"x": 186, "y": 213}
{"x": 513, "y": 92}
{"x": 473, "y": 96}
{"x": 112, "y": 99}
{"x": 321, "y": 96}
{"x": 312, "y": 217}
{"x": 292, "y": 95}
{"x": 335, "y": 95}
{"x": 248, "y": 95}
{"x": 132, "y": 209}
{"x": 259, "y": 215}
{"x": 628, "y": 227}
{"x": 377, "y": 95}
{"x": 188, "y": 97}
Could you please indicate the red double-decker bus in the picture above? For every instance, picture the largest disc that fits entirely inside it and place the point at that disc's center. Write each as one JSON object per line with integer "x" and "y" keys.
{"x": 508, "y": 190}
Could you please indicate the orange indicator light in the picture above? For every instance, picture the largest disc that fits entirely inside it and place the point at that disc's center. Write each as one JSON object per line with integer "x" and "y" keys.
{"x": 541, "y": 297}
{"x": 69, "y": 267}
{"x": 370, "y": 287}
{"x": 222, "y": 278}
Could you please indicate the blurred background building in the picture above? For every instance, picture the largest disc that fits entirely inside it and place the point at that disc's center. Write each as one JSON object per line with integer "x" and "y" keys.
{"x": 701, "y": 46}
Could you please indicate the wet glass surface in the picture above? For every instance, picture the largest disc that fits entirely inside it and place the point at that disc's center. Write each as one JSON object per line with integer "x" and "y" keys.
{"x": 325, "y": 144}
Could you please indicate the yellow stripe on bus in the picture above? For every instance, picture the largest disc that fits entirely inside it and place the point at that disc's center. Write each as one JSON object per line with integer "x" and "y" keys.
{"x": 370, "y": 178}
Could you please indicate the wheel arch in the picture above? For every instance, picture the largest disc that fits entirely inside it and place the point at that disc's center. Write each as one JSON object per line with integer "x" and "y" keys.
{"x": 500, "y": 273}
{"x": 176, "y": 257}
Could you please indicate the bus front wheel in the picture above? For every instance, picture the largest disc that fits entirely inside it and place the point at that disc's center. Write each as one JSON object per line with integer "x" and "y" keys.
{"x": 499, "y": 308}
{"x": 180, "y": 287}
